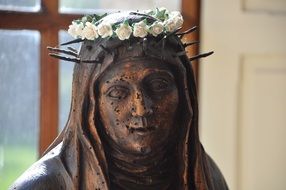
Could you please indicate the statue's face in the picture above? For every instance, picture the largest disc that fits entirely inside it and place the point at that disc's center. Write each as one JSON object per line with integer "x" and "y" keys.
{"x": 138, "y": 101}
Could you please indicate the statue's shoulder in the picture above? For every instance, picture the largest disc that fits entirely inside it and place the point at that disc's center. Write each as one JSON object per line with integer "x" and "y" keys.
{"x": 216, "y": 175}
{"x": 47, "y": 173}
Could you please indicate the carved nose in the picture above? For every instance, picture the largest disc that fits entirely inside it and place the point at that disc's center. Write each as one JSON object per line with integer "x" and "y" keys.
{"x": 142, "y": 106}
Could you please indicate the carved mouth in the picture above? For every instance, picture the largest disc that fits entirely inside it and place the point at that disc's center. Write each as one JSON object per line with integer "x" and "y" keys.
{"x": 141, "y": 130}
{"x": 140, "y": 126}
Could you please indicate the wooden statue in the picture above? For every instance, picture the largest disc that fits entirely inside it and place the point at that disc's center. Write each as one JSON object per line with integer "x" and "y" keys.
{"x": 133, "y": 123}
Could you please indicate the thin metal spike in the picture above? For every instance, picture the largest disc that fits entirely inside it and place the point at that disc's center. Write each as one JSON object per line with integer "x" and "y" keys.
{"x": 76, "y": 60}
{"x": 145, "y": 45}
{"x": 72, "y": 49}
{"x": 164, "y": 43}
{"x": 163, "y": 47}
{"x": 72, "y": 42}
{"x": 68, "y": 52}
{"x": 141, "y": 14}
{"x": 181, "y": 35}
{"x": 201, "y": 56}
{"x": 166, "y": 36}
{"x": 160, "y": 41}
{"x": 105, "y": 49}
{"x": 181, "y": 53}
{"x": 190, "y": 43}
{"x": 174, "y": 32}
{"x": 90, "y": 61}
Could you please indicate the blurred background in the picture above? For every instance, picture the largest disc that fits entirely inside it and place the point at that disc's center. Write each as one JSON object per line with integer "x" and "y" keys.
{"x": 242, "y": 86}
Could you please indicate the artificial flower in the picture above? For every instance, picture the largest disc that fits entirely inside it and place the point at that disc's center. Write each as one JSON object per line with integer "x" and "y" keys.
{"x": 90, "y": 31}
{"x": 156, "y": 28}
{"x": 140, "y": 29}
{"x": 176, "y": 18}
{"x": 75, "y": 29}
{"x": 105, "y": 30}
{"x": 123, "y": 31}
{"x": 170, "y": 25}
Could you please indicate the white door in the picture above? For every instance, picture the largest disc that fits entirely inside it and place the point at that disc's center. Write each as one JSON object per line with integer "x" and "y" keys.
{"x": 243, "y": 91}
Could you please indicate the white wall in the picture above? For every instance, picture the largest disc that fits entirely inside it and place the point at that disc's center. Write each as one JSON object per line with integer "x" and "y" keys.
{"x": 243, "y": 117}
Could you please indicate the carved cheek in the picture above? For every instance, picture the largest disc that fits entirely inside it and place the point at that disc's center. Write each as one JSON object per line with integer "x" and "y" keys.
{"x": 109, "y": 110}
{"x": 118, "y": 115}
{"x": 166, "y": 108}
{"x": 104, "y": 110}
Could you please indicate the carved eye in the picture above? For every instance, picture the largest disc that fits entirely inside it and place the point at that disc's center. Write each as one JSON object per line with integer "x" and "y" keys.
{"x": 158, "y": 85}
{"x": 117, "y": 92}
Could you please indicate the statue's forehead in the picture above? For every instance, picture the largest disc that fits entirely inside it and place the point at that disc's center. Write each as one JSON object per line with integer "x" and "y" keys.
{"x": 134, "y": 75}
{"x": 134, "y": 68}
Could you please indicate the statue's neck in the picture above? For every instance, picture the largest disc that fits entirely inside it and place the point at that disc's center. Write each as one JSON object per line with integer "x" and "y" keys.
{"x": 156, "y": 170}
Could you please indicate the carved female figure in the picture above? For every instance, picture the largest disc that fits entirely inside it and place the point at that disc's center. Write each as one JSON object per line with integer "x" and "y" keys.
{"x": 133, "y": 122}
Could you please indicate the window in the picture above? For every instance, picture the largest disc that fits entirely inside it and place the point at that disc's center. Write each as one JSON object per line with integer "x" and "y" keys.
{"x": 32, "y": 108}
{"x": 19, "y": 89}
{"x": 20, "y": 6}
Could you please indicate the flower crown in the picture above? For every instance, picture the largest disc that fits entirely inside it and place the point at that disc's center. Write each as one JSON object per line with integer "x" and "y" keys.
{"x": 91, "y": 27}
{"x": 159, "y": 22}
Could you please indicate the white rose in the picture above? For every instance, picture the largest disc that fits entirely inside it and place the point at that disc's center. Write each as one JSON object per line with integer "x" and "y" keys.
{"x": 105, "y": 30}
{"x": 84, "y": 19}
{"x": 177, "y": 18}
{"x": 174, "y": 14}
{"x": 79, "y": 29}
{"x": 75, "y": 29}
{"x": 123, "y": 31}
{"x": 90, "y": 31}
{"x": 179, "y": 21}
{"x": 170, "y": 25}
{"x": 156, "y": 28}
{"x": 140, "y": 29}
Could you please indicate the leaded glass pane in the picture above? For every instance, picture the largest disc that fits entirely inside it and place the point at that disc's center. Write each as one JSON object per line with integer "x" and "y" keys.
{"x": 19, "y": 102}
{"x": 65, "y": 82}
{"x": 91, "y": 6}
{"x": 20, "y": 5}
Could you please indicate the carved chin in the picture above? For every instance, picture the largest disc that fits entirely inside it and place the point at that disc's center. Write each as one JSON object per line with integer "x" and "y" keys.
{"x": 143, "y": 149}
{"x": 145, "y": 144}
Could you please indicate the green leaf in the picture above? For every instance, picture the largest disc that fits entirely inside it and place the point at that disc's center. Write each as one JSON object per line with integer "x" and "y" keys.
{"x": 102, "y": 16}
{"x": 78, "y": 21}
{"x": 89, "y": 18}
{"x": 126, "y": 22}
{"x": 161, "y": 15}
{"x": 97, "y": 17}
